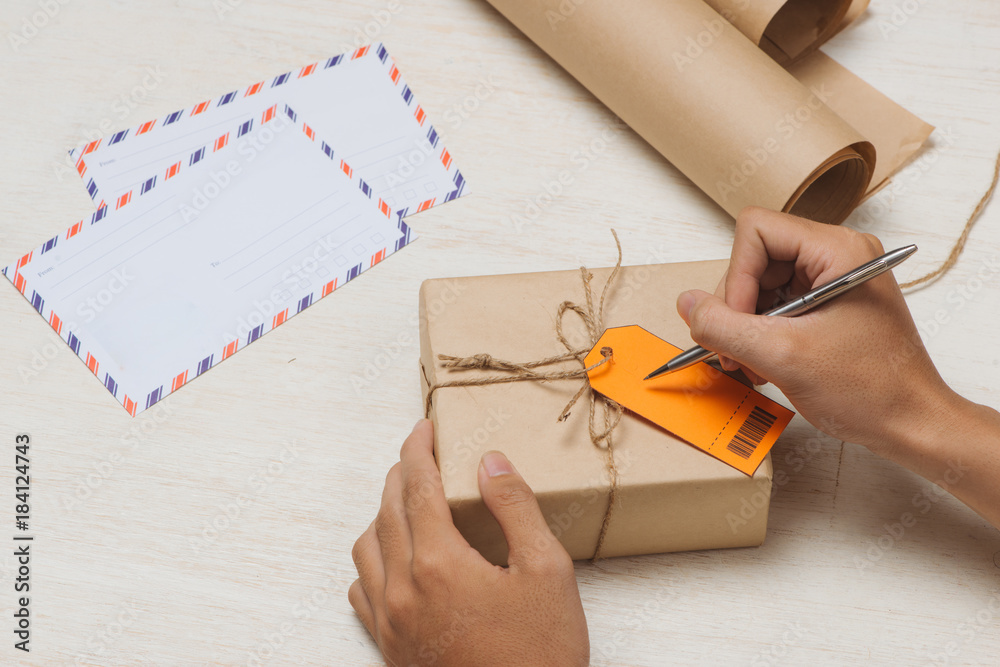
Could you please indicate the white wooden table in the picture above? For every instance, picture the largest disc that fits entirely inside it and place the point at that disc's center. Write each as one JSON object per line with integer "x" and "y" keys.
{"x": 217, "y": 527}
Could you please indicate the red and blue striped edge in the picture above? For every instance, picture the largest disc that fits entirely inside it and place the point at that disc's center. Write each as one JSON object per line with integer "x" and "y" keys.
{"x": 135, "y": 404}
{"x": 376, "y": 50}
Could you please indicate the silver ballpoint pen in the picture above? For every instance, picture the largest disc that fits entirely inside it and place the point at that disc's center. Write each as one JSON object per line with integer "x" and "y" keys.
{"x": 804, "y": 303}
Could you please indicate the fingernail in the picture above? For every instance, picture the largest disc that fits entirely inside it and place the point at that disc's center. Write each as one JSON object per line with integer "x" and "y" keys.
{"x": 496, "y": 464}
{"x": 685, "y": 302}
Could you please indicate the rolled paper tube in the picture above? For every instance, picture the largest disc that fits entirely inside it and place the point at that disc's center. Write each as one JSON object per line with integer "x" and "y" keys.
{"x": 711, "y": 102}
{"x": 895, "y": 132}
{"x": 785, "y": 29}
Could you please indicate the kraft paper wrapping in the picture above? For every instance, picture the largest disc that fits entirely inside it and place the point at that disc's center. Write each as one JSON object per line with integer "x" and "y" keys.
{"x": 671, "y": 495}
{"x": 895, "y": 132}
{"x": 788, "y": 29}
{"x": 712, "y": 102}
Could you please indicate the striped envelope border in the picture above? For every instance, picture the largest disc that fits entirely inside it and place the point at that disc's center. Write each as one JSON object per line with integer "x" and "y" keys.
{"x": 376, "y": 50}
{"x": 133, "y": 404}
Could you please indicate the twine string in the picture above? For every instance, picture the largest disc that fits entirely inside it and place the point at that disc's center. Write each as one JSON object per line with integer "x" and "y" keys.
{"x": 959, "y": 246}
{"x": 593, "y": 320}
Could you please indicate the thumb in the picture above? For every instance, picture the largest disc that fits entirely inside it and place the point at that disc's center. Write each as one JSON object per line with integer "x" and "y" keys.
{"x": 508, "y": 497}
{"x": 717, "y": 327}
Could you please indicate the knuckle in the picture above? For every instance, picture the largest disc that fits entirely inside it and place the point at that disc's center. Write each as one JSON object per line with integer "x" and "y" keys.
{"x": 556, "y": 562}
{"x": 703, "y": 321}
{"x": 513, "y": 495}
{"x": 427, "y": 566}
{"x": 358, "y": 552}
{"x": 748, "y": 214}
{"x": 874, "y": 244}
{"x": 400, "y": 604}
{"x": 417, "y": 487}
{"x": 551, "y": 564}
{"x": 867, "y": 245}
{"x": 841, "y": 232}
{"x": 355, "y": 593}
{"x": 382, "y": 524}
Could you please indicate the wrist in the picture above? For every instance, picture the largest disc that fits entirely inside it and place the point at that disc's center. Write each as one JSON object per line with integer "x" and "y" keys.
{"x": 932, "y": 436}
{"x": 958, "y": 451}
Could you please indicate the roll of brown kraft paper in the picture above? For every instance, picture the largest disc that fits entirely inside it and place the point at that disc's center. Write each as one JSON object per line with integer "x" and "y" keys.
{"x": 724, "y": 112}
{"x": 788, "y": 30}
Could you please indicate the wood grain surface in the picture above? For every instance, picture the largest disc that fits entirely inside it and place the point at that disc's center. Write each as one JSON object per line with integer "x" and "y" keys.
{"x": 217, "y": 527}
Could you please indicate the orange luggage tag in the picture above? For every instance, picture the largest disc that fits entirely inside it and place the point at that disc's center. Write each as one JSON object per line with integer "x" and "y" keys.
{"x": 699, "y": 404}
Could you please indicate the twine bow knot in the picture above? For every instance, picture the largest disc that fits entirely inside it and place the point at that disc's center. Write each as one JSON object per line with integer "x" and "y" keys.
{"x": 593, "y": 319}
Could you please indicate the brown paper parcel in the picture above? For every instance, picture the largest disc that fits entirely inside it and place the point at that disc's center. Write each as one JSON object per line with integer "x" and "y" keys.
{"x": 721, "y": 109}
{"x": 671, "y": 495}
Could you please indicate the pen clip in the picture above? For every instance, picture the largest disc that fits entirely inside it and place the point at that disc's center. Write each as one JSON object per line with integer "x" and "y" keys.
{"x": 852, "y": 279}
{"x": 866, "y": 272}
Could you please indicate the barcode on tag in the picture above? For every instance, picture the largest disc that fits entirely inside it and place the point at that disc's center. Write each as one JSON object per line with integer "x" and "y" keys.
{"x": 707, "y": 408}
{"x": 753, "y": 430}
